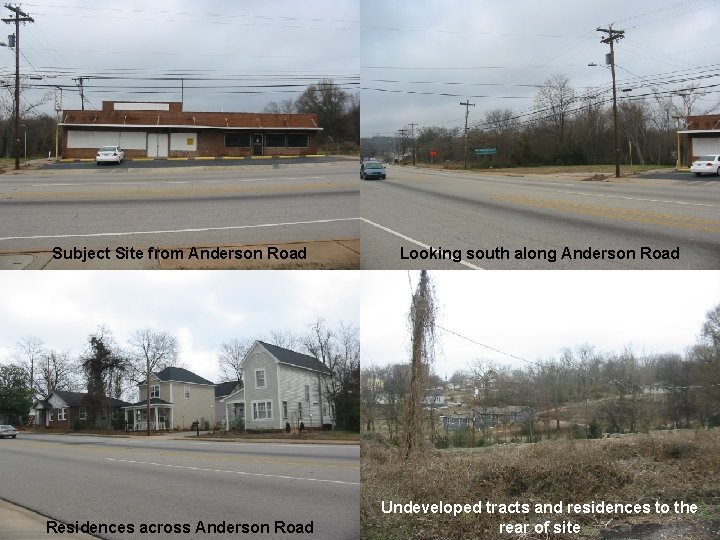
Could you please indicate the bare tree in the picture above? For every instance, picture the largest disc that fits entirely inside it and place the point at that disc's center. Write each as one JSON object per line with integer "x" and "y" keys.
{"x": 553, "y": 102}
{"x": 151, "y": 350}
{"x": 56, "y": 371}
{"x": 371, "y": 387}
{"x": 30, "y": 352}
{"x": 230, "y": 358}
{"x": 340, "y": 352}
{"x": 285, "y": 106}
{"x": 285, "y": 339}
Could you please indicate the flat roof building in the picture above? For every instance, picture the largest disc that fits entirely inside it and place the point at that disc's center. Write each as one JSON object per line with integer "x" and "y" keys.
{"x": 702, "y": 138}
{"x": 163, "y": 130}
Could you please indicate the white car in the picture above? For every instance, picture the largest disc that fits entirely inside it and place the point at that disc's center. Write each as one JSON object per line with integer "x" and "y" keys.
{"x": 706, "y": 165}
{"x": 110, "y": 154}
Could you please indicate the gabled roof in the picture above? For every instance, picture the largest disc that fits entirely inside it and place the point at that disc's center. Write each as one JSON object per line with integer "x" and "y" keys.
{"x": 79, "y": 399}
{"x": 286, "y": 356}
{"x": 181, "y": 375}
{"x": 226, "y": 388}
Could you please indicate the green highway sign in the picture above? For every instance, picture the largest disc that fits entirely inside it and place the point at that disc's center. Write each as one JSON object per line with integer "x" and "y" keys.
{"x": 485, "y": 151}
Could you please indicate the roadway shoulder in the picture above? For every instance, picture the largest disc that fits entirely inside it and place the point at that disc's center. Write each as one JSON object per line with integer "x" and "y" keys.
{"x": 19, "y": 522}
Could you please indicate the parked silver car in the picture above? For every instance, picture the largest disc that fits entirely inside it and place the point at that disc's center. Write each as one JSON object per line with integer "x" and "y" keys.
{"x": 8, "y": 431}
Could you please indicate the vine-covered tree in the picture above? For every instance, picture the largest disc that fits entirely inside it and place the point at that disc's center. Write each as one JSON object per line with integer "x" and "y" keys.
{"x": 423, "y": 311}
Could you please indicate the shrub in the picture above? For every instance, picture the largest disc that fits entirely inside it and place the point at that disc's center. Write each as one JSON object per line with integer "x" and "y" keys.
{"x": 461, "y": 439}
{"x": 594, "y": 430}
{"x": 239, "y": 423}
{"x": 287, "y": 427}
{"x": 302, "y": 426}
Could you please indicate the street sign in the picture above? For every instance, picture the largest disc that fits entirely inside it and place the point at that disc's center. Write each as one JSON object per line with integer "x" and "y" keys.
{"x": 485, "y": 151}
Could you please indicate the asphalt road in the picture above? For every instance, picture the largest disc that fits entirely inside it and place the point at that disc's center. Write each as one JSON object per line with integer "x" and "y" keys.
{"x": 164, "y": 482}
{"x": 136, "y": 207}
{"x": 434, "y": 219}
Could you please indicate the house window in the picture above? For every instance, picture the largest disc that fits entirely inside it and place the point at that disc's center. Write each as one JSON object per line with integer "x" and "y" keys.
{"x": 260, "y": 378}
{"x": 154, "y": 392}
{"x": 298, "y": 140}
{"x": 237, "y": 140}
{"x": 276, "y": 140}
{"x": 262, "y": 410}
{"x": 82, "y": 414}
{"x": 300, "y": 409}
{"x": 187, "y": 392}
{"x": 61, "y": 414}
{"x": 307, "y": 393}
{"x": 285, "y": 410}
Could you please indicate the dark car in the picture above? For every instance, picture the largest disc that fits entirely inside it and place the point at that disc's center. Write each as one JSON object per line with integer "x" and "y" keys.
{"x": 372, "y": 169}
{"x": 7, "y": 431}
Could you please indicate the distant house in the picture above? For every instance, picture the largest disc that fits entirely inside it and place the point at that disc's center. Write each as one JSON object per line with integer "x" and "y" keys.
{"x": 62, "y": 409}
{"x": 485, "y": 417}
{"x": 178, "y": 398}
{"x": 281, "y": 386}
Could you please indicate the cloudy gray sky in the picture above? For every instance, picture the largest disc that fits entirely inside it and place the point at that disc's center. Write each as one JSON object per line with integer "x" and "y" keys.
{"x": 534, "y": 315}
{"x": 201, "y": 309}
{"x": 496, "y": 53}
{"x": 234, "y": 55}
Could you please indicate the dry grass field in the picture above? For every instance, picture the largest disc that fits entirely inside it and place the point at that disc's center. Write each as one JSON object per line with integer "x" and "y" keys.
{"x": 638, "y": 469}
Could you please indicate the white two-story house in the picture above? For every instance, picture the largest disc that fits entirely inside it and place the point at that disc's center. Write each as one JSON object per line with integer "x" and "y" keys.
{"x": 280, "y": 387}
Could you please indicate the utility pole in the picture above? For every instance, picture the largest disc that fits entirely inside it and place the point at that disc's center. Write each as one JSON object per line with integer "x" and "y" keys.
{"x": 612, "y": 37}
{"x": 82, "y": 91}
{"x": 20, "y": 16}
{"x": 403, "y": 135}
{"x": 467, "y": 106}
{"x": 412, "y": 140}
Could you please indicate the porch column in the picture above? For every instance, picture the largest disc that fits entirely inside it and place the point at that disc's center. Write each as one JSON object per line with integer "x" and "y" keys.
{"x": 156, "y": 418}
{"x": 227, "y": 418}
{"x": 172, "y": 418}
{"x": 126, "y": 422}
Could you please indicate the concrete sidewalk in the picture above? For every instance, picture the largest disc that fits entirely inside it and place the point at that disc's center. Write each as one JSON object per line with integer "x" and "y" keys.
{"x": 19, "y": 523}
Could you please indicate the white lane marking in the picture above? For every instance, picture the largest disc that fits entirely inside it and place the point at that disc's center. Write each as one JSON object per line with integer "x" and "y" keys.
{"x": 416, "y": 242}
{"x": 154, "y": 183}
{"x": 636, "y": 198}
{"x": 176, "y": 231}
{"x": 284, "y": 477}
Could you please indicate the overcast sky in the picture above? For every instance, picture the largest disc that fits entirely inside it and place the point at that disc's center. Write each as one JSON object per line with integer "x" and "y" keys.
{"x": 201, "y": 309}
{"x": 535, "y": 314}
{"x": 238, "y": 51}
{"x": 484, "y": 50}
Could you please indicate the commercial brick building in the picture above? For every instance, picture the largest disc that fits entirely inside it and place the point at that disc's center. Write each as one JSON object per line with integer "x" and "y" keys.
{"x": 702, "y": 138}
{"x": 162, "y": 130}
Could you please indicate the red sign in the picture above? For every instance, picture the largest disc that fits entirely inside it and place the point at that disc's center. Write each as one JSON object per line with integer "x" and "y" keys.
{"x": 433, "y": 153}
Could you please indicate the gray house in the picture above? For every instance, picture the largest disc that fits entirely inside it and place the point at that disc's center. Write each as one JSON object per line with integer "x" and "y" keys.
{"x": 485, "y": 417}
{"x": 281, "y": 386}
